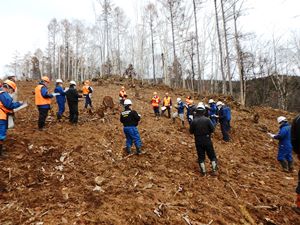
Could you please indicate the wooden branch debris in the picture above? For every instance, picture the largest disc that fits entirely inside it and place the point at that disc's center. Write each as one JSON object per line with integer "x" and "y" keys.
{"x": 247, "y": 215}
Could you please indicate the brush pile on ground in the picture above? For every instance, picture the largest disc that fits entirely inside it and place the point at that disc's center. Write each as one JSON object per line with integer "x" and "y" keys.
{"x": 81, "y": 174}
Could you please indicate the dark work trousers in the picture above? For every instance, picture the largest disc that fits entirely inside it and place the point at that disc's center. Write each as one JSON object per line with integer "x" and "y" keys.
{"x": 167, "y": 109}
{"x": 156, "y": 110}
{"x": 225, "y": 128}
{"x": 298, "y": 186}
{"x": 43, "y": 113}
{"x": 204, "y": 145}
{"x": 88, "y": 101}
{"x": 73, "y": 108}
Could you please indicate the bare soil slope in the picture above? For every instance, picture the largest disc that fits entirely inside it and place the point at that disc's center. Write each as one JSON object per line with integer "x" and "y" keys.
{"x": 80, "y": 174}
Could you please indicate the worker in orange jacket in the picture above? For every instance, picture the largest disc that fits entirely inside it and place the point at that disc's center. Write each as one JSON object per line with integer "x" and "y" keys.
{"x": 87, "y": 91}
{"x": 43, "y": 101}
{"x": 122, "y": 95}
{"x": 6, "y": 107}
{"x": 155, "y": 104}
{"x": 167, "y": 105}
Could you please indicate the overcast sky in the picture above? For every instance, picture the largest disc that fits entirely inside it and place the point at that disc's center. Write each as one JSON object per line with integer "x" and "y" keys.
{"x": 24, "y": 22}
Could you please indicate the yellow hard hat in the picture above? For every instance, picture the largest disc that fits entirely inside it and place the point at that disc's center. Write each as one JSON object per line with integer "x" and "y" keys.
{"x": 11, "y": 84}
{"x": 46, "y": 79}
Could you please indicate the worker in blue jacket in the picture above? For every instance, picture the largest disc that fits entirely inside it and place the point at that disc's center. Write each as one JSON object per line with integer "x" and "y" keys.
{"x": 60, "y": 98}
{"x": 224, "y": 119}
{"x": 213, "y": 112}
{"x": 180, "y": 111}
{"x": 6, "y": 106}
{"x": 285, "y": 148}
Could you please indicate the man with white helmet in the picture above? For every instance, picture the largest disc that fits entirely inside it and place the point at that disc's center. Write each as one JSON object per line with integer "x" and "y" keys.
{"x": 60, "y": 98}
{"x": 130, "y": 119}
{"x": 72, "y": 98}
{"x": 180, "y": 111}
{"x": 202, "y": 128}
{"x": 284, "y": 156}
{"x": 224, "y": 118}
{"x": 213, "y": 110}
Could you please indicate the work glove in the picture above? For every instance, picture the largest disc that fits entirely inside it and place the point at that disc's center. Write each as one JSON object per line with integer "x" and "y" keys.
{"x": 55, "y": 94}
{"x": 271, "y": 135}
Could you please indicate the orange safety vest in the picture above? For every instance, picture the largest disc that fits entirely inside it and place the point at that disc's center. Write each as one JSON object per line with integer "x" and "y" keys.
{"x": 122, "y": 94}
{"x": 189, "y": 101}
{"x": 3, "y": 110}
{"x": 167, "y": 101}
{"x": 85, "y": 90}
{"x": 39, "y": 99}
{"x": 155, "y": 101}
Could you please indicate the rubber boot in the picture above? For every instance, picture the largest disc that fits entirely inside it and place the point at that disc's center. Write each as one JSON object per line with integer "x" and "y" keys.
{"x": 214, "y": 167}
{"x": 284, "y": 165}
{"x": 290, "y": 166}
{"x": 128, "y": 150}
{"x": 202, "y": 168}
{"x": 59, "y": 117}
{"x": 138, "y": 151}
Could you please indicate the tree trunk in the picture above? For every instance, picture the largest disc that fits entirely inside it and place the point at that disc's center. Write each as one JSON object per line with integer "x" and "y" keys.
{"x": 197, "y": 45}
{"x": 228, "y": 75}
{"x": 240, "y": 63}
{"x": 152, "y": 45}
{"x": 224, "y": 89}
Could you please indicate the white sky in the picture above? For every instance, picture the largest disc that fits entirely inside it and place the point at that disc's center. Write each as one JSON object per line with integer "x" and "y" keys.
{"x": 24, "y": 23}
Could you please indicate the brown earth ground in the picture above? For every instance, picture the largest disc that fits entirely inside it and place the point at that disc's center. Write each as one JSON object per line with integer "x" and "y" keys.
{"x": 81, "y": 175}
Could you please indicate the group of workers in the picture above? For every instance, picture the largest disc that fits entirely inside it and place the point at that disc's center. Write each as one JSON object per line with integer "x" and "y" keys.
{"x": 202, "y": 120}
{"x": 63, "y": 95}
{"x": 215, "y": 111}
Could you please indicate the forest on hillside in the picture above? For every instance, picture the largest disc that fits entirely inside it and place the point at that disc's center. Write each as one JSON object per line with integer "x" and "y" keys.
{"x": 195, "y": 44}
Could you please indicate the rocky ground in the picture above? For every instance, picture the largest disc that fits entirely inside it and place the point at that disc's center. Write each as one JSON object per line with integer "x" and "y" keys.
{"x": 81, "y": 175}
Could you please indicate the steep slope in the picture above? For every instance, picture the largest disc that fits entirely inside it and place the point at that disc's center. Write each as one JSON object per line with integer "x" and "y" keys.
{"x": 80, "y": 174}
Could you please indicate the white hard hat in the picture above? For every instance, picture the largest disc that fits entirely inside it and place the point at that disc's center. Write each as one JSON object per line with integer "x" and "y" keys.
{"x": 200, "y": 106}
{"x": 178, "y": 99}
{"x": 210, "y": 101}
{"x": 59, "y": 81}
{"x": 72, "y": 82}
{"x": 219, "y": 103}
{"x": 280, "y": 119}
{"x": 127, "y": 102}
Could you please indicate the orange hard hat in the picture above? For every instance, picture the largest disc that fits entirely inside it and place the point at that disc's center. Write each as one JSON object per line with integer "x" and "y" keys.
{"x": 46, "y": 79}
{"x": 11, "y": 84}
